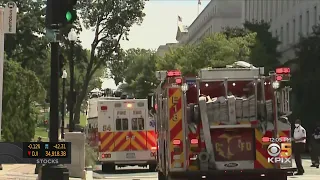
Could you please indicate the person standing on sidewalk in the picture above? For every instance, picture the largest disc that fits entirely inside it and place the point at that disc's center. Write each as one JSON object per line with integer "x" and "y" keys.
{"x": 315, "y": 146}
{"x": 299, "y": 138}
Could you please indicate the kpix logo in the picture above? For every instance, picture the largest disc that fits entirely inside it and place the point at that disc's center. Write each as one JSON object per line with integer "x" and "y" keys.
{"x": 279, "y": 154}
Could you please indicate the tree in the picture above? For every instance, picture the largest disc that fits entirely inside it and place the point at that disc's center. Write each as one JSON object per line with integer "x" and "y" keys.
{"x": 217, "y": 50}
{"x": 111, "y": 21}
{"x": 305, "y": 80}
{"x": 264, "y": 52}
{"x": 139, "y": 74}
{"x": 22, "y": 89}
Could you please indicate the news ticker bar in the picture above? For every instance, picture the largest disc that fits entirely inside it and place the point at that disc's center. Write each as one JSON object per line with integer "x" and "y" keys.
{"x": 35, "y": 153}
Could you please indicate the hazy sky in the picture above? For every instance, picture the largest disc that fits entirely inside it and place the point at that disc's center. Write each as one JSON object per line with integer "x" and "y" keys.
{"x": 158, "y": 27}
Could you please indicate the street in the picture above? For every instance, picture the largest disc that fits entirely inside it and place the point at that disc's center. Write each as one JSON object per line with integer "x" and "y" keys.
{"x": 26, "y": 172}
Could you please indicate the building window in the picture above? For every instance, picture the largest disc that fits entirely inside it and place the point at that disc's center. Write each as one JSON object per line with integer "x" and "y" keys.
{"x": 294, "y": 31}
{"x": 258, "y": 10}
{"x": 288, "y": 5}
{"x": 282, "y": 6}
{"x": 300, "y": 25}
{"x": 307, "y": 22}
{"x": 281, "y": 35}
{"x": 271, "y": 9}
{"x": 287, "y": 34}
{"x": 261, "y": 9}
{"x": 293, "y": 2}
{"x": 277, "y": 34}
{"x": 249, "y": 9}
{"x": 315, "y": 15}
{"x": 276, "y": 3}
{"x": 267, "y": 17}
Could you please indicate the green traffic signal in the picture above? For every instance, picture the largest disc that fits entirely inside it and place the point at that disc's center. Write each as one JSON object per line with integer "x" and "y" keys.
{"x": 68, "y": 16}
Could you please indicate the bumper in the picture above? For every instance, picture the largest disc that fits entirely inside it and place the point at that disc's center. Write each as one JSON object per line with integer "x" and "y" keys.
{"x": 131, "y": 163}
{"x": 268, "y": 174}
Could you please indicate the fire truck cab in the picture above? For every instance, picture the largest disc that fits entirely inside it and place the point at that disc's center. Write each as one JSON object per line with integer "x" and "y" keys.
{"x": 126, "y": 134}
{"x": 223, "y": 124}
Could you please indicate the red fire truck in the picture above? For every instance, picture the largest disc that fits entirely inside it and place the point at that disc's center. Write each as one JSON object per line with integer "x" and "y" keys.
{"x": 224, "y": 124}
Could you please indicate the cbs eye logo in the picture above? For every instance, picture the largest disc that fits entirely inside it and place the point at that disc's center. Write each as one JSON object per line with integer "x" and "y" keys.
{"x": 279, "y": 154}
{"x": 274, "y": 150}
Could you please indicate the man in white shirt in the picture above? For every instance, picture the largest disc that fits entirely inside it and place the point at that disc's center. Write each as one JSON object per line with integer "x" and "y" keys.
{"x": 299, "y": 138}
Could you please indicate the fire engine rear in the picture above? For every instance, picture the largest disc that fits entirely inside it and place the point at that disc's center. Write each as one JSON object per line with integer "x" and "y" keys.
{"x": 222, "y": 124}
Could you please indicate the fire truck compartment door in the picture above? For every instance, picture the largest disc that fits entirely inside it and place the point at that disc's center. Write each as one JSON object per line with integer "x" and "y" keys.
{"x": 234, "y": 148}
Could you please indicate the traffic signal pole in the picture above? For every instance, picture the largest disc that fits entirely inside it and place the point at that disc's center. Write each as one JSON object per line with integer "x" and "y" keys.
{"x": 54, "y": 172}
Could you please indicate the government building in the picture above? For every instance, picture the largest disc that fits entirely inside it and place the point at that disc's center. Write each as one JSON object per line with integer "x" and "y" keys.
{"x": 288, "y": 19}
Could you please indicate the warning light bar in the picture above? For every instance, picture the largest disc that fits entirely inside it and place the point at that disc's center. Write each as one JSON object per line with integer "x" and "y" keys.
{"x": 283, "y": 70}
{"x": 173, "y": 73}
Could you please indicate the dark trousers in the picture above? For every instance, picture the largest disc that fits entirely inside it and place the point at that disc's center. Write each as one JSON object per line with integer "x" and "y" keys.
{"x": 299, "y": 148}
{"x": 315, "y": 152}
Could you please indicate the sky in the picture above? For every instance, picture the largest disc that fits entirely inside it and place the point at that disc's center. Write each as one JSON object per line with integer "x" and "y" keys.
{"x": 158, "y": 27}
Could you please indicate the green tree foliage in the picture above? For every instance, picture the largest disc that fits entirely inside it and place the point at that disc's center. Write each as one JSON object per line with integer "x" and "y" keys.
{"x": 111, "y": 21}
{"x": 28, "y": 46}
{"x": 139, "y": 73}
{"x": 305, "y": 80}
{"x": 264, "y": 51}
{"x": 22, "y": 89}
{"x": 216, "y": 50}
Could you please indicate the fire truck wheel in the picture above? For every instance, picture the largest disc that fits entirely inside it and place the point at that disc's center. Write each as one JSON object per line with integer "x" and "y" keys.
{"x": 152, "y": 167}
{"x": 161, "y": 176}
{"x": 108, "y": 168}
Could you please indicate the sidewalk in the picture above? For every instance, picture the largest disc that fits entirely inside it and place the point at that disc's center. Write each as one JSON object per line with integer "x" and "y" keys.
{"x": 20, "y": 172}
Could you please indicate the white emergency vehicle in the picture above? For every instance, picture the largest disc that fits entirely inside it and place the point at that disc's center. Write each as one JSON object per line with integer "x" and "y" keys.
{"x": 126, "y": 134}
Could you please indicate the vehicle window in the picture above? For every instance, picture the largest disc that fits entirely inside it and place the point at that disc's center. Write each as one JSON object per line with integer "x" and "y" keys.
{"x": 141, "y": 123}
{"x": 118, "y": 124}
{"x": 134, "y": 123}
{"x": 125, "y": 123}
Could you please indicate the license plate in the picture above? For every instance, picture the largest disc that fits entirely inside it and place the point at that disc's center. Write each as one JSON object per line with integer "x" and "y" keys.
{"x": 131, "y": 155}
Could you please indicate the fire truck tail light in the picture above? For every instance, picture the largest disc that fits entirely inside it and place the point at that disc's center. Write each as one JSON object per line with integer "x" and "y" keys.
{"x": 105, "y": 156}
{"x": 153, "y": 148}
{"x": 194, "y": 141}
{"x": 173, "y": 73}
{"x": 176, "y": 142}
{"x": 104, "y": 108}
{"x": 178, "y": 81}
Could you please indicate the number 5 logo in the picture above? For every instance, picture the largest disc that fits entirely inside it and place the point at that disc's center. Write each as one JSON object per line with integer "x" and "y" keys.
{"x": 286, "y": 150}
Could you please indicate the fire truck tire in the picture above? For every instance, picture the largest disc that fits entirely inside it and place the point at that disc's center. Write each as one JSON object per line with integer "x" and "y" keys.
{"x": 106, "y": 168}
{"x": 161, "y": 176}
{"x": 152, "y": 167}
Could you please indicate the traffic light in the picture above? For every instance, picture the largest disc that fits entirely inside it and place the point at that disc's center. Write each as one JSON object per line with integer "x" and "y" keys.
{"x": 69, "y": 14}
{"x": 60, "y": 13}
{"x": 61, "y": 64}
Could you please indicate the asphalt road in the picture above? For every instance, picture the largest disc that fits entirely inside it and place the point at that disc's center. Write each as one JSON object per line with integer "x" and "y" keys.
{"x": 26, "y": 172}
{"x": 136, "y": 173}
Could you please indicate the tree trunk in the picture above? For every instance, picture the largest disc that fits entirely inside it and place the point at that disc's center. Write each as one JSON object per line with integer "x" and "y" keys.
{"x": 83, "y": 91}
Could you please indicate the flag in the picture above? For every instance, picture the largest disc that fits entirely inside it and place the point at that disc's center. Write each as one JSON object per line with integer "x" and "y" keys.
{"x": 179, "y": 19}
{"x": 199, "y": 2}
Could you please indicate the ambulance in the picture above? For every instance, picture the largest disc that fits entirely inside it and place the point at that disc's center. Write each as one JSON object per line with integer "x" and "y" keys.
{"x": 126, "y": 134}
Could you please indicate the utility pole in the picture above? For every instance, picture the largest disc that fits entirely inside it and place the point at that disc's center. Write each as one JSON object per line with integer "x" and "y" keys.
{"x": 53, "y": 172}
{"x": 71, "y": 93}
{"x": 58, "y": 14}
{"x": 63, "y": 107}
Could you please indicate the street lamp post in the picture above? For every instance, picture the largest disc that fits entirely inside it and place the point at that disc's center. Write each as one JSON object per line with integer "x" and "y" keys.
{"x": 63, "y": 107}
{"x": 72, "y": 38}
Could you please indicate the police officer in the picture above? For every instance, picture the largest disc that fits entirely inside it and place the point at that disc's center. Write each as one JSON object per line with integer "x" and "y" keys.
{"x": 315, "y": 146}
{"x": 299, "y": 138}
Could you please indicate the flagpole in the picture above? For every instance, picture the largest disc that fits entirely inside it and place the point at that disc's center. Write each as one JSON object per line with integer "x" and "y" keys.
{"x": 199, "y": 3}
